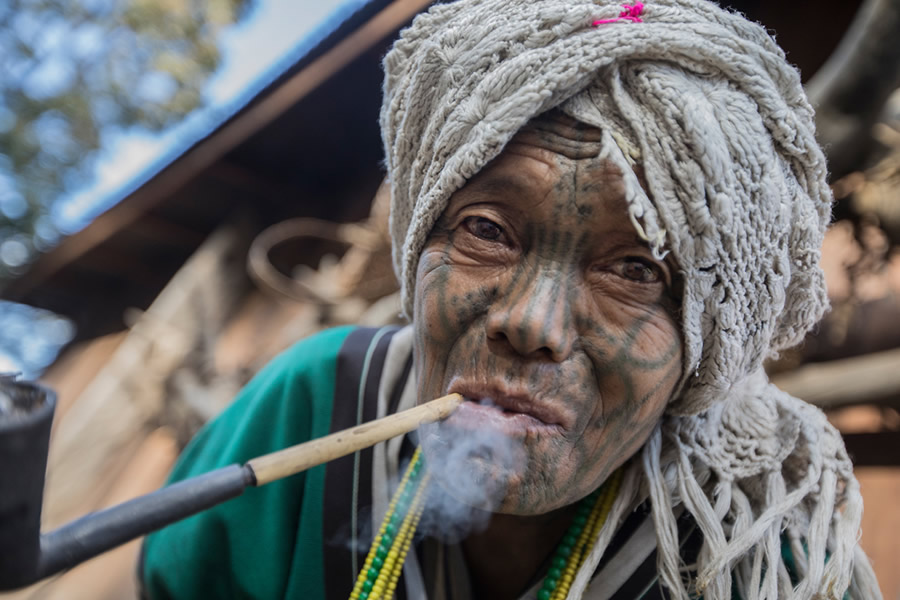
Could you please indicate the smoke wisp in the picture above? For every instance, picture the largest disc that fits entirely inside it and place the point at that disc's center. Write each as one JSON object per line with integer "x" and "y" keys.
{"x": 471, "y": 471}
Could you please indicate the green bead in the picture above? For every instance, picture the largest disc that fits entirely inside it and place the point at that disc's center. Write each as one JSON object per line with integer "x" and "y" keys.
{"x": 378, "y": 563}
{"x": 395, "y": 518}
{"x": 559, "y": 563}
{"x": 550, "y": 584}
{"x": 372, "y": 574}
{"x": 382, "y": 550}
{"x": 580, "y": 520}
{"x": 554, "y": 573}
{"x": 542, "y": 595}
{"x": 363, "y": 595}
{"x": 367, "y": 585}
{"x": 387, "y": 541}
{"x": 390, "y": 530}
{"x": 565, "y": 550}
{"x": 569, "y": 540}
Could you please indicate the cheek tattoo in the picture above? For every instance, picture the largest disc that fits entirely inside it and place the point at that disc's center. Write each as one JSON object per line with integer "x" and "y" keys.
{"x": 519, "y": 287}
{"x": 610, "y": 358}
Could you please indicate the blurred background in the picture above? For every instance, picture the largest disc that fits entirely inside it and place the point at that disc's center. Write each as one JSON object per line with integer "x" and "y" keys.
{"x": 187, "y": 188}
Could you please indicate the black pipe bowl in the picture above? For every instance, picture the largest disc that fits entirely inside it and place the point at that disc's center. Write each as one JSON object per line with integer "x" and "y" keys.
{"x": 26, "y": 414}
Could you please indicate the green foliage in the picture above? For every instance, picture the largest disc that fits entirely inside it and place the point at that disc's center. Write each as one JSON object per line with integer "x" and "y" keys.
{"x": 73, "y": 69}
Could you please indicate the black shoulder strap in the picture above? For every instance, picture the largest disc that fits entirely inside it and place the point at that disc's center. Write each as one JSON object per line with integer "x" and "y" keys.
{"x": 348, "y": 481}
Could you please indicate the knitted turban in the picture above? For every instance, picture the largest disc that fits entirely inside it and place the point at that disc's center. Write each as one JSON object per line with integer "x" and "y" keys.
{"x": 706, "y": 104}
{"x": 703, "y": 99}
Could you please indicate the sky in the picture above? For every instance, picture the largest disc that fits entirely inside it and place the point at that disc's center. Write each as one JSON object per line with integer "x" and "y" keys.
{"x": 253, "y": 53}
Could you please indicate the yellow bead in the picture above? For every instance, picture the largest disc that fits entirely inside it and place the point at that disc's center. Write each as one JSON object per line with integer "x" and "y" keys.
{"x": 392, "y": 567}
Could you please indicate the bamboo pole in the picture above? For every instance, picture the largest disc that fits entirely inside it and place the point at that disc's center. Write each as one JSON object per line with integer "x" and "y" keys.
{"x": 872, "y": 378}
{"x": 295, "y": 459}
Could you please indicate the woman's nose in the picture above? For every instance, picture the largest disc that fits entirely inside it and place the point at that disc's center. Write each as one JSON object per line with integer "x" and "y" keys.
{"x": 535, "y": 320}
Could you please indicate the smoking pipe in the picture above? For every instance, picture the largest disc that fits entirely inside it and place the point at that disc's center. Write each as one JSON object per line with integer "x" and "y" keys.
{"x": 27, "y": 555}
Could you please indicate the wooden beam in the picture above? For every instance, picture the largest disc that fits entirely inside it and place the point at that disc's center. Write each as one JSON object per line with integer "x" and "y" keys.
{"x": 872, "y": 378}
{"x": 874, "y": 449}
{"x": 219, "y": 143}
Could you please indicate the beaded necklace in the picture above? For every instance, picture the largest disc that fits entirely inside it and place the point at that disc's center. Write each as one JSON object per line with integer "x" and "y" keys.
{"x": 381, "y": 571}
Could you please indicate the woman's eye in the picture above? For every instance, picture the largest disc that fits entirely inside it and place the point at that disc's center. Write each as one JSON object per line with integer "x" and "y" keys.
{"x": 484, "y": 228}
{"x": 640, "y": 270}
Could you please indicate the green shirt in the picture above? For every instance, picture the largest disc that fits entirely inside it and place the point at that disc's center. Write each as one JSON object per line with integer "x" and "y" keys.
{"x": 266, "y": 543}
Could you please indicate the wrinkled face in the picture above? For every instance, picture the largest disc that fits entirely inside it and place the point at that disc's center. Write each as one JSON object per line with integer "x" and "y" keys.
{"x": 537, "y": 301}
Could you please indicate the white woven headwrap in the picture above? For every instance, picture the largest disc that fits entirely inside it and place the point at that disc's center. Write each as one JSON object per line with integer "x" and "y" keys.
{"x": 705, "y": 102}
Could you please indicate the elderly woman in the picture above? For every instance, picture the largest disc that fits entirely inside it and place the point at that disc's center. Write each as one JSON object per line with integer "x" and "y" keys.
{"x": 604, "y": 221}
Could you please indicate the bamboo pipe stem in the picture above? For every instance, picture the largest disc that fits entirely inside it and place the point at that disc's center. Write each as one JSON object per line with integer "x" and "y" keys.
{"x": 295, "y": 459}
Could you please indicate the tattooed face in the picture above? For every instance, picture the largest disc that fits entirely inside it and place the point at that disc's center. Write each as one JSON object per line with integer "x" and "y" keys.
{"x": 537, "y": 301}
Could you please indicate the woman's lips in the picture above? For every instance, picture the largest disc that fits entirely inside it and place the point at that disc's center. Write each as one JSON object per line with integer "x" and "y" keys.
{"x": 507, "y": 416}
